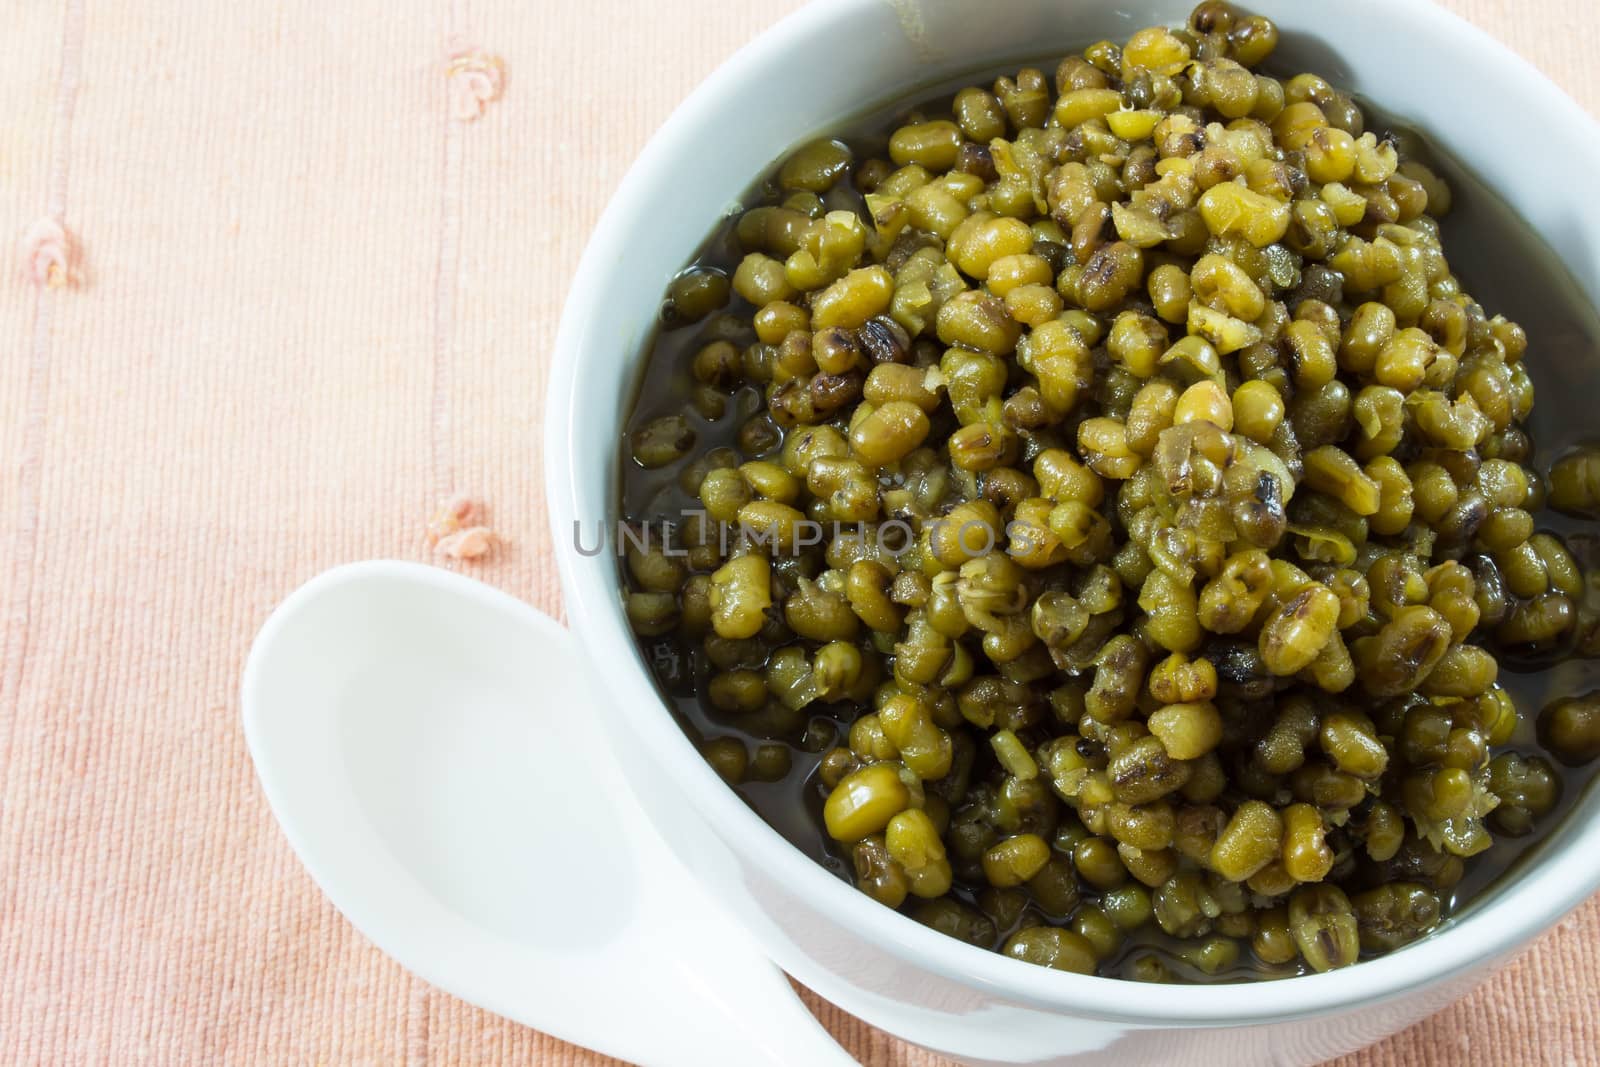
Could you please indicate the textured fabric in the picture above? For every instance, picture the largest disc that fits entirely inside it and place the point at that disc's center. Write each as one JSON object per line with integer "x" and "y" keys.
{"x": 306, "y": 306}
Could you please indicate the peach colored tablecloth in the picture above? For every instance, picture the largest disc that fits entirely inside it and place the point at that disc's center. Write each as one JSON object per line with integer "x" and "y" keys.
{"x": 307, "y": 305}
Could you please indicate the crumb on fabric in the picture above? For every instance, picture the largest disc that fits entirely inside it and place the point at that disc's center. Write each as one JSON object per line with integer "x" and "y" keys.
{"x": 470, "y": 543}
{"x": 458, "y": 529}
{"x": 476, "y": 79}
{"x": 47, "y": 253}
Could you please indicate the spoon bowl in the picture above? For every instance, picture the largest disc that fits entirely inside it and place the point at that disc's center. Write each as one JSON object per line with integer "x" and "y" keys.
{"x": 430, "y": 747}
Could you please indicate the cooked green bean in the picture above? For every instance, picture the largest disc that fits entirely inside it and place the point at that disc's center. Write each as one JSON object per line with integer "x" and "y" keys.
{"x": 1050, "y": 946}
{"x": 1570, "y": 728}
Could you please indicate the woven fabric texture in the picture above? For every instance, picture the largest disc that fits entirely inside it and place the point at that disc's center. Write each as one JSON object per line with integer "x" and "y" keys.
{"x": 302, "y": 304}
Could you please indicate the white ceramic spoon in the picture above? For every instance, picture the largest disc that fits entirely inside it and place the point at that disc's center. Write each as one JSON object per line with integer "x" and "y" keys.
{"x": 425, "y": 741}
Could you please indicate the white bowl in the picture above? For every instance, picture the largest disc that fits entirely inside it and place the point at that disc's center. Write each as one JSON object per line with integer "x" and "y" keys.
{"x": 826, "y": 62}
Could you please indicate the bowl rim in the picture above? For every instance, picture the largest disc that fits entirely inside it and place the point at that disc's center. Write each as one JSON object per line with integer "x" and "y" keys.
{"x": 1556, "y": 883}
